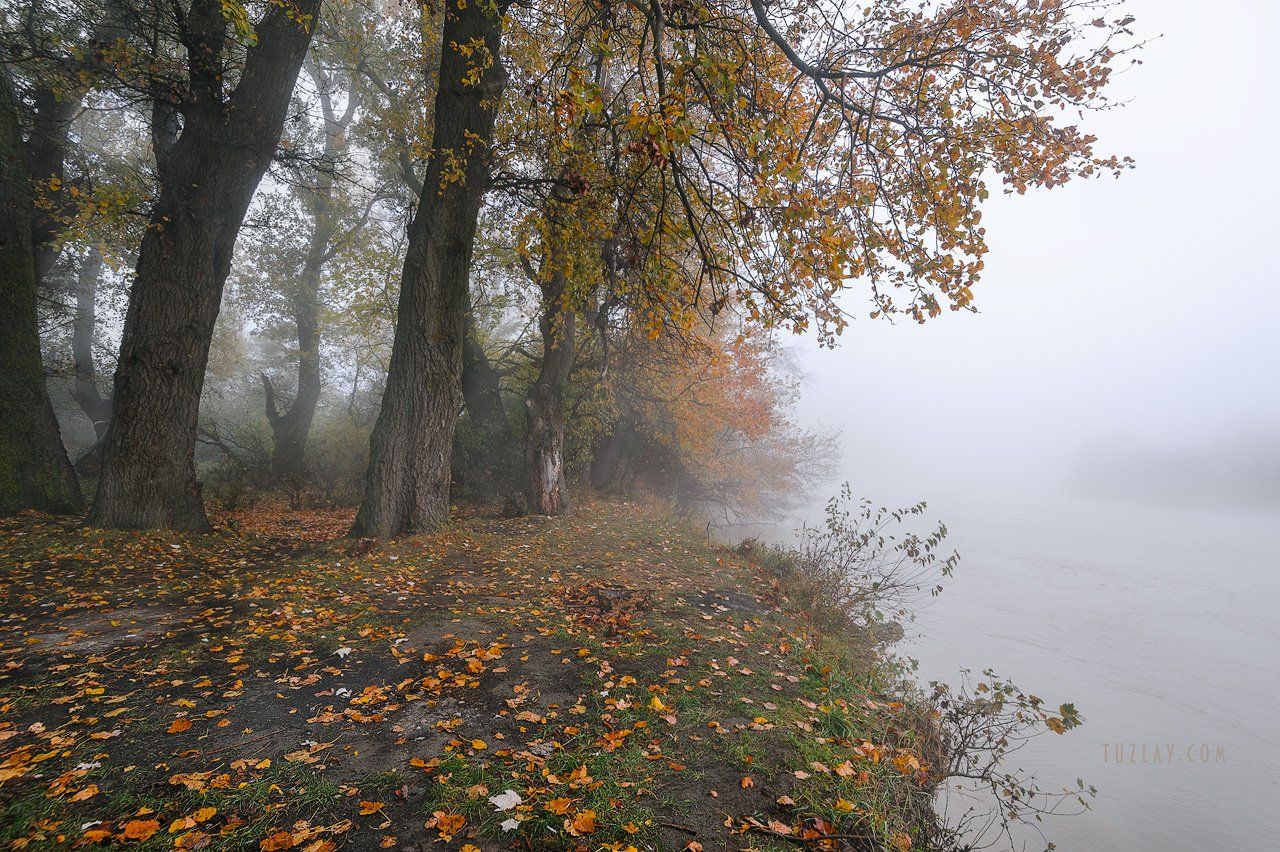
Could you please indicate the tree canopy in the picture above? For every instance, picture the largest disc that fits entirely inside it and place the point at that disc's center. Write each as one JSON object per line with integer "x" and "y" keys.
{"x": 583, "y": 226}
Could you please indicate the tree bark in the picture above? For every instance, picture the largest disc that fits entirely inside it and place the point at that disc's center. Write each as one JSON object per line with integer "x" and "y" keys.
{"x": 407, "y": 484}
{"x": 545, "y": 484}
{"x": 35, "y": 472}
{"x": 206, "y": 184}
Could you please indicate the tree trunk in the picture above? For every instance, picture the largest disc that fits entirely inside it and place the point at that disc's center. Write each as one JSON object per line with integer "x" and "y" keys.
{"x": 407, "y": 484}
{"x": 606, "y": 459}
{"x": 85, "y": 391}
{"x": 480, "y": 386}
{"x": 545, "y": 484}
{"x": 35, "y": 472}
{"x": 290, "y": 430}
{"x": 495, "y": 464}
{"x": 46, "y": 154}
{"x": 206, "y": 184}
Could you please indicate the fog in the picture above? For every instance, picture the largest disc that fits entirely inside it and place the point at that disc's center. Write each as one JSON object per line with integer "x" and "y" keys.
{"x": 1129, "y": 320}
{"x": 1087, "y": 432}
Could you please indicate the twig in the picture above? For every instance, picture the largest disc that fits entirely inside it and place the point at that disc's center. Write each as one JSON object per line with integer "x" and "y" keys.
{"x": 679, "y": 827}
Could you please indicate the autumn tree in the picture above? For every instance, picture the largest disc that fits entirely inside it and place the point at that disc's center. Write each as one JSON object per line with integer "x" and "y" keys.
{"x": 107, "y": 188}
{"x": 763, "y": 160}
{"x": 705, "y": 420}
{"x": 218, "y": 115}
{"x": 34, "y": 469}
{"x": 50, "y": 58}
{"x": 321, "y": 198}
{"x": 396, "y": 128}
{"x": 407, "y": 487}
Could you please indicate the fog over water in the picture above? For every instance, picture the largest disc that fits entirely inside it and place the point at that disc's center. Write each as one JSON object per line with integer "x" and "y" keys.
{"x": 1134, "y": 313}
{"x": 1103, "y": 439}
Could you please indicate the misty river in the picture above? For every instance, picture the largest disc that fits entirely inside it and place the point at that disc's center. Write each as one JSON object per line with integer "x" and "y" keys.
{"x": 1160, "y": 625}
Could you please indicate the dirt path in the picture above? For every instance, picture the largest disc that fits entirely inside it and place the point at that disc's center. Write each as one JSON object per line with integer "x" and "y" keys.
{"x": 266, "y": 687}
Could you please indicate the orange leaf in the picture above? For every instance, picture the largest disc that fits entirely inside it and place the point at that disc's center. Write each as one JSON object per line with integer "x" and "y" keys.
{"x": 276, "y": 841}
{"x": 558, "y": 806}
{"x": 584, "y": 822}
{"x": 140, "y": 829}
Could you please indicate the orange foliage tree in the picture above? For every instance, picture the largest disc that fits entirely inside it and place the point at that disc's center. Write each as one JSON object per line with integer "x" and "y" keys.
{"x": 705, "y": 419}
{"x": 680, "y": 159}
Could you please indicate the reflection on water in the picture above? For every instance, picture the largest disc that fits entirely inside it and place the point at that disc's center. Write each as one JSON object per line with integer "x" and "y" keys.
{"x": 1160, "y": 625}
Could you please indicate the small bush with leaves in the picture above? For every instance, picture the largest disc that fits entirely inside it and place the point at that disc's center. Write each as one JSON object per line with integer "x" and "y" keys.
{"x": 982, "y": 722}
{"x": 336, "y": 461}
{"x": 863, "y": 565}
{"x": 859, "y": 570}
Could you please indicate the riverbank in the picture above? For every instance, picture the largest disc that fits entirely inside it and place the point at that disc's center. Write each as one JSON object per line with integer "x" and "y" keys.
{"x": 606, "y": 680}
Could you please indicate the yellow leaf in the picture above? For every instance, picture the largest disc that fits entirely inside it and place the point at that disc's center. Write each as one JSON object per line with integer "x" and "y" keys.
{"x": 584, "y": 822}
{"x": 447, "y": 824}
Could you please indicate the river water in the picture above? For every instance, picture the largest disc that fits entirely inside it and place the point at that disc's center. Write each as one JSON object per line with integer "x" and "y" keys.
{"x": 1161, "y": 625}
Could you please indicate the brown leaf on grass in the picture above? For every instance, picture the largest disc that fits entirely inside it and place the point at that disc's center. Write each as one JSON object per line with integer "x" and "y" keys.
{"x": 583, "y": 822}
{"x": 559, "y": 806}
{"x": 276, "y": 841}
{"x": 193, "y": 840}
{"x": 447, "y": 824}
{"x": 192, "y": 820}
{"x": 179, "y": 725}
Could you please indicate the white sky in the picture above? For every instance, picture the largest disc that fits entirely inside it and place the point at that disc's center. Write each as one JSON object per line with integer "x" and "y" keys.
{"x": 1140, "y": 311}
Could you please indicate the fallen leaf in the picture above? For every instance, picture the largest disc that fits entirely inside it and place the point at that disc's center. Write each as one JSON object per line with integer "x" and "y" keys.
{"x": 140, "y": 829}
{"x": 506, "y": 800}
{"x": 583, "y": 822}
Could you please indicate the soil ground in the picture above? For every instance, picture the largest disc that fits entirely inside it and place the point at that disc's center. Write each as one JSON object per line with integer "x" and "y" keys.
{"x": 601, "y": 681}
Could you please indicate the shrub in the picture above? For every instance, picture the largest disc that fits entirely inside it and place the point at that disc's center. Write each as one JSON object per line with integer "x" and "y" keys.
{"x": 862, "y": 566}
{"x": 338, "y": 456}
